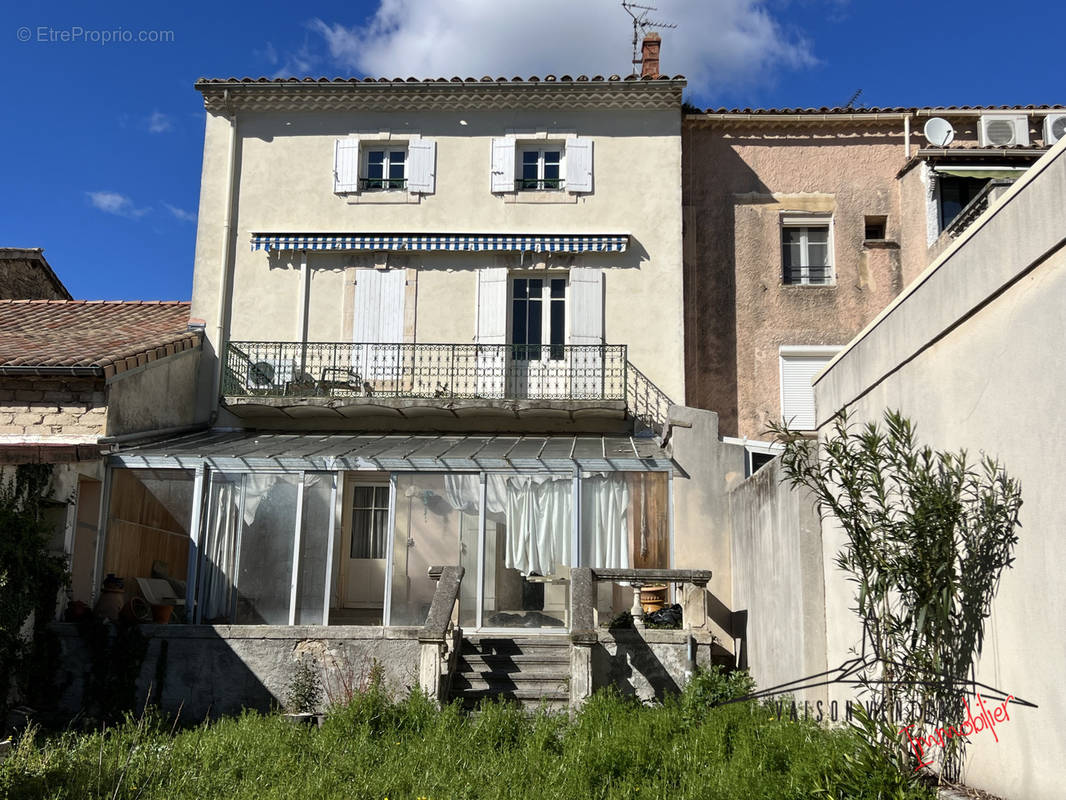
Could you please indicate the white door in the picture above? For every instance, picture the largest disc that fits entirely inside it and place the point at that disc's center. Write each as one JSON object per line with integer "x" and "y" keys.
{"x": 539, "y": 363}
{"x": 378, "y": 328}
{"x": 366, "y": 544}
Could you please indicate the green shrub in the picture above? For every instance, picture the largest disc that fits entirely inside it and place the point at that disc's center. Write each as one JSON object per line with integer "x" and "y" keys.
{"x": 716, "y": 685}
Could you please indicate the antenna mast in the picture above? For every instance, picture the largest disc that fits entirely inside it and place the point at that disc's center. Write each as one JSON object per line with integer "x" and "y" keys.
{"x": 641, "y": 25}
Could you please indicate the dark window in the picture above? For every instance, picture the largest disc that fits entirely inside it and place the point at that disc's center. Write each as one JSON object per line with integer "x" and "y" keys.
{"x": 370, "y": 519}
{"x": 531, "y": 298}
{"x": 875, "y": 228}
{"x": 805, "y": 254}
{"x": 956, "y": 194}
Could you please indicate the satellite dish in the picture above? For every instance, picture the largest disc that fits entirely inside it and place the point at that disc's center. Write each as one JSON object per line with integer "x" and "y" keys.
{"x": 938, "y": 132}
{"x": 261, "y": 374}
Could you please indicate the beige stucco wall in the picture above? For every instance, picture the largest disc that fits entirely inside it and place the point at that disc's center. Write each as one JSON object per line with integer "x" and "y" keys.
{"x": 160, "y": 395}
{"x": 284, "y": 183}
{"x": 973, "y": 355}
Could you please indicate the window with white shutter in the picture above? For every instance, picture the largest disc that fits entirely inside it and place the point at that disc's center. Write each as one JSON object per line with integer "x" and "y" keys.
{"x": 378, "y": 323}
{"x": 422, "y": 166}
{"x": 503, "y": 165}
{"x": 346, "y": 165}
{"x": 579, "y": 164}
{"x": 492, "y": 331}
{"x": 799, "y": 366}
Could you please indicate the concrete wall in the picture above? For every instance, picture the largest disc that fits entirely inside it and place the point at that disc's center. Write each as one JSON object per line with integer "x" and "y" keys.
{"x": 205, "y": 670}
{"x": 160, "y": 395}
{"x": 778, "y": 589}
{"x": 702, "y": 522}
{"x": 284, "y": 183}
{"x": 649, "y": 664}
{"x": 973, "y": 354}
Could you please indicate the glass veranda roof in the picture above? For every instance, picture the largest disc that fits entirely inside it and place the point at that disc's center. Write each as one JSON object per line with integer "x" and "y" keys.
{"x": 237, "y": 451}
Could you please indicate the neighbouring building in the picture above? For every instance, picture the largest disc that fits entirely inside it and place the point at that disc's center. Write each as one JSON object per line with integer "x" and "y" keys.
{"x": 801, "y": 225}
{"x": 76, "y": 376}
{"x": 444, "y": 326}
{"x": 25, "y": 274}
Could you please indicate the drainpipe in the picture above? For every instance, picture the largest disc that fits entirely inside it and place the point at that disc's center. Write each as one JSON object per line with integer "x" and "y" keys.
{"x": 226, "y": 261}
{"x": 907, "y": 137}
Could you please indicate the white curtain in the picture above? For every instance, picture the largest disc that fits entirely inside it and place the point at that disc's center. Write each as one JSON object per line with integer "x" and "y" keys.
{"x": 604, "y": 524}
{"x": 219, "y": 549}
{"x": 537, "y": 510}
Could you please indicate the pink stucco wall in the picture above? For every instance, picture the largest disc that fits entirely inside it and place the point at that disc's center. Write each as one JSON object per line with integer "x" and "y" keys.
{"x": 739, "y": 178}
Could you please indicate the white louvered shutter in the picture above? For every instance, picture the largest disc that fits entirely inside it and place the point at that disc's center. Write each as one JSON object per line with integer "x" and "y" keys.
{"x": 492, "y": 306}
{"x": 378, "y": 322}
{"x": 579, "y": 164}
{"x": 346, "y": 165}
{"x": 492, "y": 359}
{"x": 503, "y": 165}
{"x": 422, "y": 166}
{"x": 797, "y": 394}
{"x": 586, "y": 305}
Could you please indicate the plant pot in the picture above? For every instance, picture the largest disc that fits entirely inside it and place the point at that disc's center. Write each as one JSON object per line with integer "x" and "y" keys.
{"x": 300, "y": 718}
{"x": 161, "y": 614}
{"x": 653, "y": 598}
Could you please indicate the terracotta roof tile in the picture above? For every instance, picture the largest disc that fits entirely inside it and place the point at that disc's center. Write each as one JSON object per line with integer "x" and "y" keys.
{"x": 82, "y": 333}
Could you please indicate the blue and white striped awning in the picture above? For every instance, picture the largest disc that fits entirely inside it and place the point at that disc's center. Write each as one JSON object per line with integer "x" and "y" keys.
{"x": 538, "y": 243}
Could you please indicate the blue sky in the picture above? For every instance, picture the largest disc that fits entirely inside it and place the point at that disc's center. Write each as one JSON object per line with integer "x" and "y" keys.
{"x": 103, "y": 139}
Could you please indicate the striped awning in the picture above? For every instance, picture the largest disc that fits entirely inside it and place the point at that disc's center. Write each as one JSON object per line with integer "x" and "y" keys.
{"x": 467, "y": 242}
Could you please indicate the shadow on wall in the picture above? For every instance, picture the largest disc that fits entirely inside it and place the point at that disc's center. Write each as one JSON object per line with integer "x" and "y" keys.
{"x": 209, "y": 671}
{"x": 634, "y": 668}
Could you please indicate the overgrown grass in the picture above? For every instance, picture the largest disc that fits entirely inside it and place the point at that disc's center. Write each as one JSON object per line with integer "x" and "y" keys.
{"x": 377, "y": 748}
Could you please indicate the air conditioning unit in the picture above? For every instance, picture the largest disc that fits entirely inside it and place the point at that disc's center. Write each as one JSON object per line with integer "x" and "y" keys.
{"x": 1054, "y": 128}
{"x": 1004, "y": 130}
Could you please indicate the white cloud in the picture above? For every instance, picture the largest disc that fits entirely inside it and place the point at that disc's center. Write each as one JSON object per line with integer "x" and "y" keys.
{"x": 115, "y": 203}
{"x": 181, "y": 213}
{"x": 159, "y": 122}
{"x": 719, "y": 45}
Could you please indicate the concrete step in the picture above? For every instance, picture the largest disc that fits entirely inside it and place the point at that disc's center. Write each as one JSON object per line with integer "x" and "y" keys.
{"x": 532, "y": 670}
{"x": 510, "y": 680}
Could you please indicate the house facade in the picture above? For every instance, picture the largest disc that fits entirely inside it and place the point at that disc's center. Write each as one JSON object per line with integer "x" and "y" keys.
{"x": 443, "y": 326}
{"x": 801, "y": 225}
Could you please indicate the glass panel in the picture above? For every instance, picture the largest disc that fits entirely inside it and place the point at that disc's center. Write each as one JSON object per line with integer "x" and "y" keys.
{"x": 218, "y": 563}
{"x": 397, "y": 173}
{"x": 534, "y": 320}
{"x": 558, "y": 327}
{"x": 551, "y": 170}
{"x": 148, "y": 525}
{"x": 792, "y": 254}
{"x": 264, "y": 578}
{"x": 436, "y": 525}
{"x": 528, "y": 551}
{"x": 624, "y": 523}
{"x": 558, "y": 287}
{"x": 370, "y": 512}
{"x": 314, "y": 538}
{"x": 530, "y": 167}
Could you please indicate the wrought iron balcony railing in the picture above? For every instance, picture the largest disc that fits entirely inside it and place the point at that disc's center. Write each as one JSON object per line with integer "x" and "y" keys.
{"x": 442, "y": 371}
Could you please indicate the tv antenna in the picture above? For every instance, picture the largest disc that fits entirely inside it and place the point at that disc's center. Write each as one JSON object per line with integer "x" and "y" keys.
{"x": 641, "y": 25}
{"x": 853, "y": 98}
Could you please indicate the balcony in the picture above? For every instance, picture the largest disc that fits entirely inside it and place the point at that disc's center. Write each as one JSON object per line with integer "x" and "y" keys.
{"x": 423, "y": 381}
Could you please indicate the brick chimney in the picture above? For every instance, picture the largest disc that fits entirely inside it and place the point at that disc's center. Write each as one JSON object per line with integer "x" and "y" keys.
{"x": 649, "y": 56}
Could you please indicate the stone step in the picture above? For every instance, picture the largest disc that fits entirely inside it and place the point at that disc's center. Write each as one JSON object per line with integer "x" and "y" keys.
{"x": 549, "y": 664}
{"x": 525, "y": 695}
{"x": 504, "y": 679}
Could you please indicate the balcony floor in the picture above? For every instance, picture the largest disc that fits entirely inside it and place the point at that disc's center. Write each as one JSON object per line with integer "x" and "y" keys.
{"x": 470, "y": 412}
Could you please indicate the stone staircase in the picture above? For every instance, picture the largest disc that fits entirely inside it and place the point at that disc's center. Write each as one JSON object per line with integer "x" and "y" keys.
{"x": 534, "y": 670}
